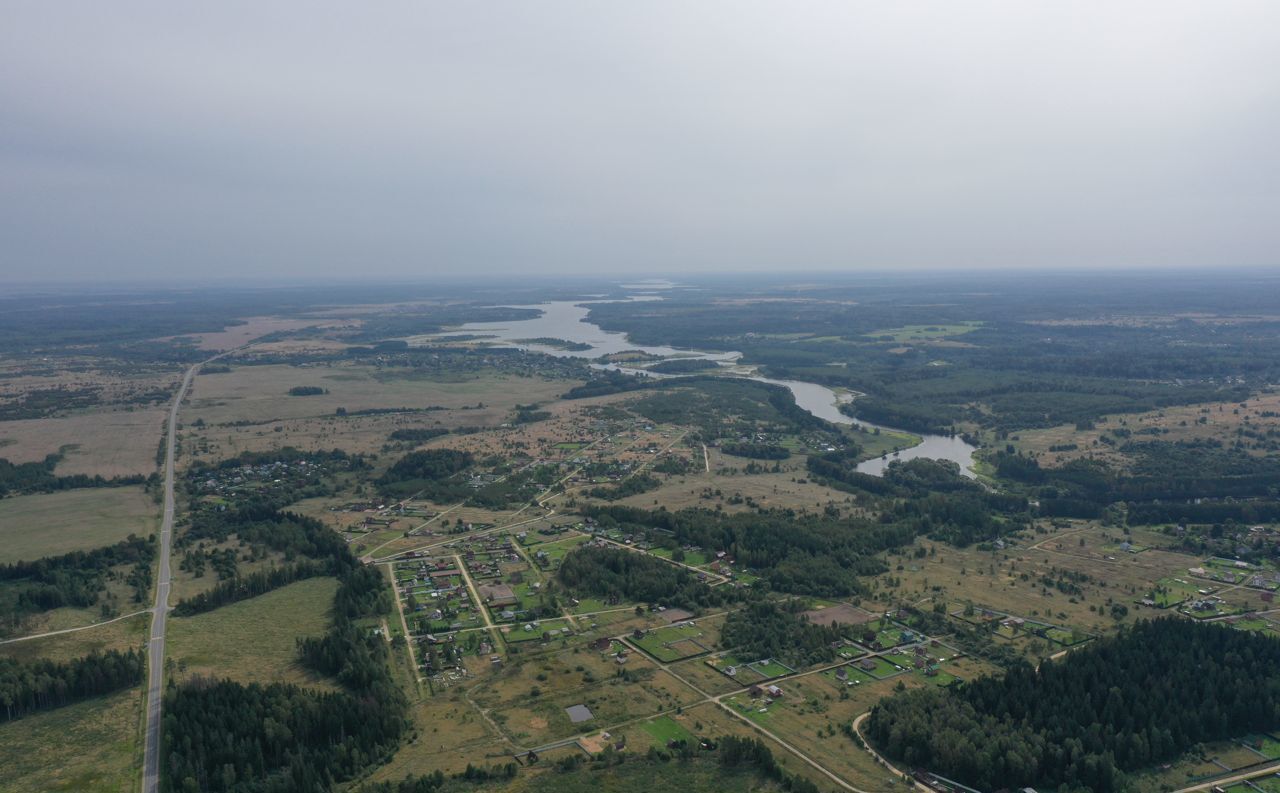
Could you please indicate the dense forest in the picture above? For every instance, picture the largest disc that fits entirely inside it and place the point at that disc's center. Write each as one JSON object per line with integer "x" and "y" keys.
{"x": 756, "y": 451}
{"x": 623, "y": 575}
{"x": 29, "y": 686}
{"x": 683, "y": 366}
{"x": 261, "y": 527}
{"x": 1196, "y": 481}
{"x": 803, "y": 554}
{"x": 719, "y": 407}
{"x": 764, "y": 629}
{"x": 1117, "y": 705}
{"x": 431, "y": 472}
{"x": 717, "y": 759}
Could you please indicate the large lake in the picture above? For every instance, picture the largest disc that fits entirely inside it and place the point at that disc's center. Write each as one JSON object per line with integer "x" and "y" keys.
{"x": 567, "y": 320}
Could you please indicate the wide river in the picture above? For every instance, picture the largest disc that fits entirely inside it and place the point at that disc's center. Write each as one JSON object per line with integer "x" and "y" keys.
{"x": 567, "y": 320}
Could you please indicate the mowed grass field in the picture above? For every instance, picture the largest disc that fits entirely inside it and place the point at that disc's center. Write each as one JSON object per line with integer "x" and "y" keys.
{"x": 74, "y": 520}
{"x": 253, "y": 640}
{"x": 92, "y": 745}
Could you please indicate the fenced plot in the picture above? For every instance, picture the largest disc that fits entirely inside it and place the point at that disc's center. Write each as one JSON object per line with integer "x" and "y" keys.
{"x": 665, "y": 730}
{"x": 770, "y": 668}
{"x": 737, "y": 669}
{"x": 674, "y": 643}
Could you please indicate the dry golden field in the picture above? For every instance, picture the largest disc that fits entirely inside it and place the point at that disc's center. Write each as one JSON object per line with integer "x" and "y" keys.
{"x": 99, "y": 442}
{"x": 250, "y": 409}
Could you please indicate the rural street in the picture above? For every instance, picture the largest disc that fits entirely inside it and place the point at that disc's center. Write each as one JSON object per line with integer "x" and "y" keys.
{"x": 159, "y": 613}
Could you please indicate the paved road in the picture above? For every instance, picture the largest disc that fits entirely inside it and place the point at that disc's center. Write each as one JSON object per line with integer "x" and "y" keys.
{"x": 160, "y": 612}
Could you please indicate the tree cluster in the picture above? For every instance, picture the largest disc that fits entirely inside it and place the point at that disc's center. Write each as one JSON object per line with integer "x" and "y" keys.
{"x": 625, "y": 575}
{"x": 1117, "y": 705}
{"x": 28, "y": 686}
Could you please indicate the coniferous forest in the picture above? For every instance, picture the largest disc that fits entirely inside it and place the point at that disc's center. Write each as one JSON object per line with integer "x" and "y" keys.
{"x": 1123, "y": 703}
{"x": 26, "y": 687}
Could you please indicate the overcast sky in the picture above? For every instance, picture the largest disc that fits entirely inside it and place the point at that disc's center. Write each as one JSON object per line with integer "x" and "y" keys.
{"x": 281, "y": 139}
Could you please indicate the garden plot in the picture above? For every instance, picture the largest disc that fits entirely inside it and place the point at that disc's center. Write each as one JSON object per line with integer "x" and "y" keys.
{"x": 675, "y": 642}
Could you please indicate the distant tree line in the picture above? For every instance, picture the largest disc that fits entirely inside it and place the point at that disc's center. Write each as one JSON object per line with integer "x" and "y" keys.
{"x": 418, "y": 434}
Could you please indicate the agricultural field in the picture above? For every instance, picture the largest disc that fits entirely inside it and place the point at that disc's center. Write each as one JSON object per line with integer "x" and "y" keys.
{"x": 52, "y": 524}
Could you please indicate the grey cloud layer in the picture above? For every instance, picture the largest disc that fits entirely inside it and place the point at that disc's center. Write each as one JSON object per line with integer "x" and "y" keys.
{"x": 402, "y": 139}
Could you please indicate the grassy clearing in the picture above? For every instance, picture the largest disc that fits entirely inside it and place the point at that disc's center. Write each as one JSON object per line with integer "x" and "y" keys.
{"x": 450, "y": 734}
{"x": 119, "y": 635}
{"x": 74, "y": 520}
{"x": 253, "y": 640}
{"x": 91, "y": 745}
{"x": 666, "y": 729}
